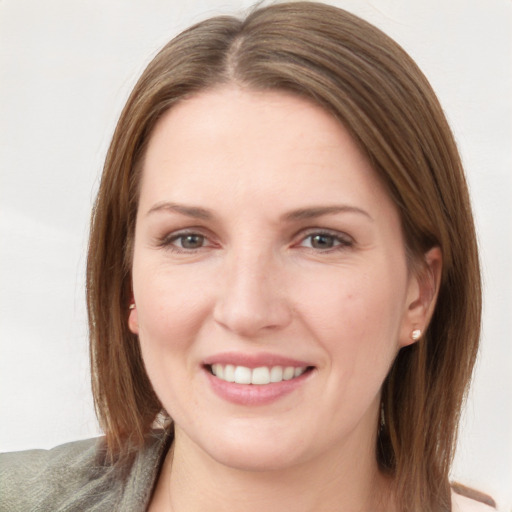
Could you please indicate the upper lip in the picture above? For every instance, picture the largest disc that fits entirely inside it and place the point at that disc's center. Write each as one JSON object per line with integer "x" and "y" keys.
{"x": 254, "y": 360}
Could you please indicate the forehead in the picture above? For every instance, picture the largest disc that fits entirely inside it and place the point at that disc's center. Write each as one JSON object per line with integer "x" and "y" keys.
{"x": 231, "y": 144}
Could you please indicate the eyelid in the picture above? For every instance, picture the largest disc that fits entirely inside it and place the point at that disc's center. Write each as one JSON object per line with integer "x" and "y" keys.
{"x": 167, "y": 241}
{"x": 343, "y": 238}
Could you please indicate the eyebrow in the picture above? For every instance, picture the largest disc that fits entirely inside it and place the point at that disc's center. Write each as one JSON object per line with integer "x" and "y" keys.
{"x": 190, "y": 211}
{"x": 319, "y": 211}
{"x": 197, "y": 212}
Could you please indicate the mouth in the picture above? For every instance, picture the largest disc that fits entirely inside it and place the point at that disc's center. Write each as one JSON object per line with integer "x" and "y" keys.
{"x": 259, "y": 376}
{"x": 256, "y": 379}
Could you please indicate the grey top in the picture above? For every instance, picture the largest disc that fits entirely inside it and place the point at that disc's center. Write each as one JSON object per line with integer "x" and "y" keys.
{"x": 76, "y": 477}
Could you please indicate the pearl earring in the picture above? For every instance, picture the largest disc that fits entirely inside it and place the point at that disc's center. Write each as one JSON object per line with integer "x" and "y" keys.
{"x": 416, "y": 334}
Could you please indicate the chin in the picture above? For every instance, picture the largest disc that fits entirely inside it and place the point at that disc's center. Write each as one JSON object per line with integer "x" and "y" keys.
{"x": 253, "y": 449}
{"x": 255, "y": 458}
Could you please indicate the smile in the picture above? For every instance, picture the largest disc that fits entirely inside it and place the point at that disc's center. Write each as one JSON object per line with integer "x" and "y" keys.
{"x": 259, "y": 376}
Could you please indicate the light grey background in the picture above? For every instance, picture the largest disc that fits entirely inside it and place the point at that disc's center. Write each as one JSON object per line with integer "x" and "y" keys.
{"x": 66, "y": 68}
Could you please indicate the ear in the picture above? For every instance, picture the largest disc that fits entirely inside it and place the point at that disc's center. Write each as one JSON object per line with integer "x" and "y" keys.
{"x": 422, "y": 292}
{"x": 133, "y": 320}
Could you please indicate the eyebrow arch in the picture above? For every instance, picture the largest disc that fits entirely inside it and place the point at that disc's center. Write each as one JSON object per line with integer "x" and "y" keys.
{"x": 190, "y": 211}
{"x": 296, "y": 215}
{"x": 319, "y": 211}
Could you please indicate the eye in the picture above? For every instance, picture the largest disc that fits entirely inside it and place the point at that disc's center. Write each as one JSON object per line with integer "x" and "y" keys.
{"x": 184, "y": 242}
{"x": 189, "y": 241}
{"x": 322, "y": 241}
{"x": 325, "y": 241}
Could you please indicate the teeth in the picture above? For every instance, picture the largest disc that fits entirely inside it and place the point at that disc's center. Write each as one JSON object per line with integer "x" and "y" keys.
{"x": 219, "y": 371}
{"x": 242, "y": 375}
{"x": 276, "y": 374}
{"x": 229, "y": 373}
{"x": 258, "y": 376}
{"x": 288, "y": 373}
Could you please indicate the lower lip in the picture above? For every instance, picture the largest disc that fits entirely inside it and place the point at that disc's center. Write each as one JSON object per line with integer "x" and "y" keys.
{"x": 255, "y": 394}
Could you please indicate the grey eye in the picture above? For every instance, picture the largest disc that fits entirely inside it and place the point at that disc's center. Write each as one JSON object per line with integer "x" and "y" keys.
{"x": 322, "y": 241}
{"x": 191, "y": 241}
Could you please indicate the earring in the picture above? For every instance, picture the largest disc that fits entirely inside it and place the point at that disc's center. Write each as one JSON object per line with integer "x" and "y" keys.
{"x": 416, "y": 334}
{"x": 132, "y": 304}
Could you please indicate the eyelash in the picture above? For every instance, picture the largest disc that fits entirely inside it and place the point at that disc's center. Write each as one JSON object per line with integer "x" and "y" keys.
{"x": 168, "y": 242}
{"x": 340, "y": 241}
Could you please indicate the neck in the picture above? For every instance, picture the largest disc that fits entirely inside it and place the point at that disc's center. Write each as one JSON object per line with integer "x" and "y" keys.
{"x": 345, "y": 480}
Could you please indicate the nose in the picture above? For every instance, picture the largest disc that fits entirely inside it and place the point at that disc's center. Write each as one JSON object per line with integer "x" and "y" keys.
{"x": 252, "y": 300}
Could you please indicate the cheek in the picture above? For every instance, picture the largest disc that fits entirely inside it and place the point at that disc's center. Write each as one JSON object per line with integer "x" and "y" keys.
{"x": 356, "y": 316}
{"x": 169, "y": 317}
{"x": 170, "y": 304}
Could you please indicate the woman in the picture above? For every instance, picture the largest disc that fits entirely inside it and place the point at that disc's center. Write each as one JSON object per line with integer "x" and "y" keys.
{"x": 283, "y": 272}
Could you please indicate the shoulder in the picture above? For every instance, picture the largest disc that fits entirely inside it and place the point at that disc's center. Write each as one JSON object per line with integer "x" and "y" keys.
{"x": 77, "y": 476}
{"x": 46, "y": 479}
{"x": 465, "y": 499}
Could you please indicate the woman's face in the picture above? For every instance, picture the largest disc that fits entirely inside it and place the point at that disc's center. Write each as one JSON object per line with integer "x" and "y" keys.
{"x": 267, "y": 251}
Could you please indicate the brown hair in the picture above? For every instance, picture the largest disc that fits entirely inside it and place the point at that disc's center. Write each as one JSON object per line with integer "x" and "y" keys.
{"x": 374, "y": 88}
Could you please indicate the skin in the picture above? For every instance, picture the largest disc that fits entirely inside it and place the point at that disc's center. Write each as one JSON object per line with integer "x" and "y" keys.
{"x": 257, "y": 281}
